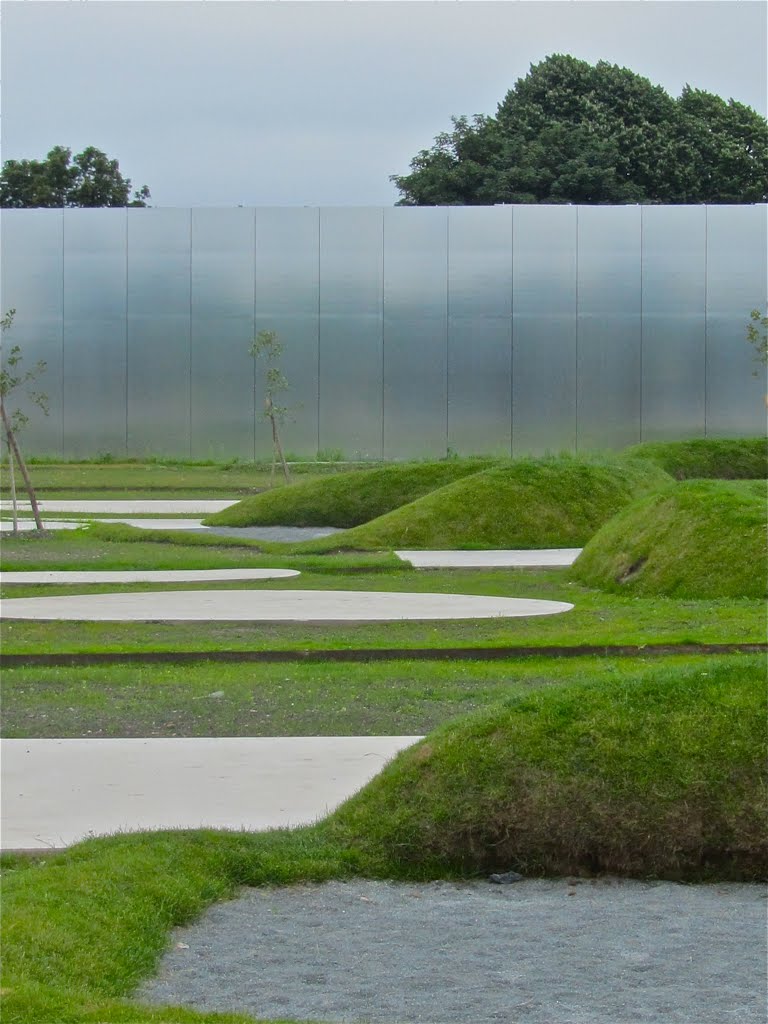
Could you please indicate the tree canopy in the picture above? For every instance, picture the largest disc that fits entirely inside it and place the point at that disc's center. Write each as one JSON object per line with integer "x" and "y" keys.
{"x": 570, "y": 132}
{"x": 88, "y": 179}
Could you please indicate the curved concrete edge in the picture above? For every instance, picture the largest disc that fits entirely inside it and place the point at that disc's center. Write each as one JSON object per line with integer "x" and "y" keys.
{"x": 273, "y": 606}
{"x": 145, "y": 575}
{"x": 56, "y": 792}
{"x": 511, "y": 558}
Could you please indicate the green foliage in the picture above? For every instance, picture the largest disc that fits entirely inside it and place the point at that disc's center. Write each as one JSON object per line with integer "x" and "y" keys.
{"x": 527, "y": 503}
{"x": 757, "y": 336}
{"x": 572, "y": 133}
{"x": 11, "y": 377}
{"x": 740, "y": 458}
{"x": 659, "y": 776}
{"x": 700, "y": 539}
{"x": 268, "y": 346}
{"x": 347, "y": 499}
{"x": 90, "y": 179}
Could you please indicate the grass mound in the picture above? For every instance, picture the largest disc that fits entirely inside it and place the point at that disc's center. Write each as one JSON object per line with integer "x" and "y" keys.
{"x": 348, "y": 499}
{"x": 656, "y": 777}
{"x": 701, "y": 539}
{"x": 528, "y": 503}
{"x": 742, "y": 458}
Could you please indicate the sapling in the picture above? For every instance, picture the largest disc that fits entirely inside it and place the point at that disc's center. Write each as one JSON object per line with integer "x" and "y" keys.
{"x": 267, "y": 346}
{"x": 11, "y": 378}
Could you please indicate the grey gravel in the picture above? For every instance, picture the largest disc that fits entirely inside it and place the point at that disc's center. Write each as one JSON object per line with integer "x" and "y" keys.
{"x": 282, "y": 534}
{"x": 602, "y": 951}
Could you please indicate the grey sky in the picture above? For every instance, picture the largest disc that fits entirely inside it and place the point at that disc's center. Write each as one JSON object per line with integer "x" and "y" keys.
{"x": 215, "y": 103}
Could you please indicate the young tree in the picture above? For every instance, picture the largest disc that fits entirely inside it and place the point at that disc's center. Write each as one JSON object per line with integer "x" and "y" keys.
{"x": 91, "y": 179}
{"x": 11, "y": 378}
{"x": 269, "y": 348}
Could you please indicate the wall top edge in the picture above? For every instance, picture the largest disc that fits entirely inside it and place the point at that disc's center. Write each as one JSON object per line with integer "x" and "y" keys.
{"x": 144, "y": 211}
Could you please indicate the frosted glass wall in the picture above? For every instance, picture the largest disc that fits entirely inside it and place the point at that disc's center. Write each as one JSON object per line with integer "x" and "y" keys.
{"x": 406, "y": 331}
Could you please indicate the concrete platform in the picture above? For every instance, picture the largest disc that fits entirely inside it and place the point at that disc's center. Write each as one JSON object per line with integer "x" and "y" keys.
{"x": 511, "y": 558}
{"x": 145, "y": 575}
{"x": 56, "y": 792}
{"x": 272, "y": 606}
{"x": 192, "y": 506}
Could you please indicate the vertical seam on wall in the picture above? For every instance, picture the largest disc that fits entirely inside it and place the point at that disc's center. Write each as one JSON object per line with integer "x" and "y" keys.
{"x": 707, "y": 318}
{"x": 577, "y": 382}
{"x": 63, "y": 321}
{"x": 319, "y": 332}
{"x": 642, "y": 294}
{"x": 125, "y": 345}
{"x": 253, "y": 334}
{"x": 383, "y": 334}
{"x": 447, "y": 318}
{"x": 189, "y": 344}
{"x": 511, "y": 332}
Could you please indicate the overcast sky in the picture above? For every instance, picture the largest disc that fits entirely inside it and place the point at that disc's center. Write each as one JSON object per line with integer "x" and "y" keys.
{"x": 254, "y": 102}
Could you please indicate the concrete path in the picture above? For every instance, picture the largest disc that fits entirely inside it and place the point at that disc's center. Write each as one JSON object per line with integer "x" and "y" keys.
{"x": 56, "y": 792}
{"x": 145, "y": 575}
{"x": 490, "y": 559}
{"x": 192, "y": 506}
{"x": 6, "y": 525}
{"x": 272, "y": 606}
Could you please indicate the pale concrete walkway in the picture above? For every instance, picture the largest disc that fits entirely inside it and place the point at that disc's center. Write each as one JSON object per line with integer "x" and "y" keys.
{"x": 145, "y": 575}
{"x": 521, "y": 558}
{"x": 56, "y": 792}
{"x": 273, "y": 606}
{"x": 6, "y": 525}
{"x": 153, "y": 506}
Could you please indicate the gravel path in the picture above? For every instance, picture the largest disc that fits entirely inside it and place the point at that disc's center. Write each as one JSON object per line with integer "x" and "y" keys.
{"x": 534, "y": 952}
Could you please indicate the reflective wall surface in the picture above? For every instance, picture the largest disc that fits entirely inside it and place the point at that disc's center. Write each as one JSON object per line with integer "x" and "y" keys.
{"x": 406, "y": 331}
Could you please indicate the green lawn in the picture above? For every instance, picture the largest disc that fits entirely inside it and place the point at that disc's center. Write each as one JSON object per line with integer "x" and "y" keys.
{"x": 638, "y": 765}
{"x": 597, "y": 618}
{"x": 391, "y": 698}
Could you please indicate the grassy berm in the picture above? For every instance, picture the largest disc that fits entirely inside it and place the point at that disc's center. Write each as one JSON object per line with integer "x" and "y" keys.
{"x": 700, "y": 539}
{"x": 740, "y": 458}
{"x": 529, "y": 503}
{"x": 348, "y": 499}
{"x": 660, "y": 777}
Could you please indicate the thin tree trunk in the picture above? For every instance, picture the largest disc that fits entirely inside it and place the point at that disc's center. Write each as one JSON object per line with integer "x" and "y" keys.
{"x": 279, "y": 448}
{"x": 276, "y": 446}
{"x": 13, "y": 489}
{"x": 22, "y": 467}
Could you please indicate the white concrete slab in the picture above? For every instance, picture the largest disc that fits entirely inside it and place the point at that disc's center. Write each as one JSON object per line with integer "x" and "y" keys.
{"x": 6, "y": 526}
{"x": 153, "y": 506}
{"x": 56, "y": 792}
{"x": 145, "y": 575}
{"x": 153, "y": 524}
{"x": 512, "y": 558}
{"x": 272, "y": 606}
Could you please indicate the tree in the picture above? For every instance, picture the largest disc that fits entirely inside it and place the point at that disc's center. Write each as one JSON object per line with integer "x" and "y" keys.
{"x": 268, "y": 347}
{"x": 90, "y": 179}
{"x": 572, "y": 133}
{"x": 12, "y": 378}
